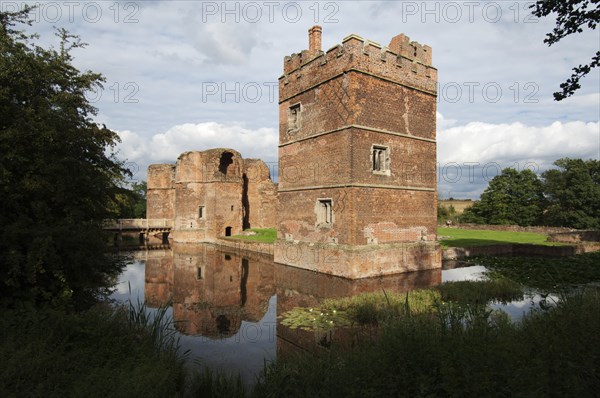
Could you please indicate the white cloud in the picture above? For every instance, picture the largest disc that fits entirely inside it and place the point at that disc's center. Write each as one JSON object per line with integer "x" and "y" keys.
{"x": 166, "y": 147}
{"x": 443, "y": 123}
{"x": 470, "y": 155}
{"x": 484, "y": 142}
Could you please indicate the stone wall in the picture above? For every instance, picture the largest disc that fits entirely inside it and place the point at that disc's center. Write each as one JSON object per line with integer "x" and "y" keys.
{"x": 261, "y": 195}
{"x": 515, "y": 228}
{"x": 160, "y": 196}
{"x": 515, "y": 249}
{"x": 575, "y": 236}
{"x": 212, "y": 193}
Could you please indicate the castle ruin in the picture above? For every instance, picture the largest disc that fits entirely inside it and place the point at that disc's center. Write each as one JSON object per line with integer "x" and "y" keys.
{"x": 210, "y": 194}
{"x": 356, "y": 195}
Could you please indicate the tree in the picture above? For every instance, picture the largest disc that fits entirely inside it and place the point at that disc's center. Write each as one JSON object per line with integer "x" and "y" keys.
{"x": 131, "y": 202}
{"x": 446, "y": 213}
{"x": 573, "y": 192}
{"x": 572, "y": 17}
{"x": 511, "y": 198}
{"x": 55, "y": 177}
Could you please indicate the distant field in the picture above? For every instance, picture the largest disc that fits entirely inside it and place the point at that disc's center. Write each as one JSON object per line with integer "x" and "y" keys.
{"x": 459, "y": 205}
{"x": 455, "y": 237}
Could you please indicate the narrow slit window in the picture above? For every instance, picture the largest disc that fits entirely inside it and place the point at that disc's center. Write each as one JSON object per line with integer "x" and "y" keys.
{"x": 201, "y": 212}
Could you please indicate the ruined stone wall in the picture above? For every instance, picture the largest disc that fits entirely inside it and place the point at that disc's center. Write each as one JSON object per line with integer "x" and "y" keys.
{"x": 208, "y": 198}
{"x": 212, "y": 193}
{"x": 160, "y": 196}
{"x": 356, "y": 262}
{"x": 260, "y": 201}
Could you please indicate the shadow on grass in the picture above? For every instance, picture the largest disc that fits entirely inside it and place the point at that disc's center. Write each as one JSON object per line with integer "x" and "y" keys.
{"x": 446, "y": 243}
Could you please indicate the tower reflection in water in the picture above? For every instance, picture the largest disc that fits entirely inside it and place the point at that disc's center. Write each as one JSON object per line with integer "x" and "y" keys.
{"x": 225, "y": 301}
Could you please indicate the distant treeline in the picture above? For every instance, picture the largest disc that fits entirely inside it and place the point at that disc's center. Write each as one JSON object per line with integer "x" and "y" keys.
{"x": 568, "y": 196}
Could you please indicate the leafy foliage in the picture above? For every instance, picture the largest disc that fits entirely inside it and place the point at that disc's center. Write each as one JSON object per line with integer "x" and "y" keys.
{"x": 130, "y": 202}
{"x": 573, "y": 193}
{"x": 512, "y": 197}
{"x": 446, "y": 213}
{"x": 55, "y": 177}
{"x": 571, "y": 17}
{"x": 565, "y": 197}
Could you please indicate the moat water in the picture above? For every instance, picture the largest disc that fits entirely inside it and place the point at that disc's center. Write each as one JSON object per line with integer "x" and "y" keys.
{"x": 225, "y": 303}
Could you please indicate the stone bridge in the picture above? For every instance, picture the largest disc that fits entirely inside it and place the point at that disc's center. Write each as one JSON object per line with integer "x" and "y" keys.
{"x": 142, "y": 228}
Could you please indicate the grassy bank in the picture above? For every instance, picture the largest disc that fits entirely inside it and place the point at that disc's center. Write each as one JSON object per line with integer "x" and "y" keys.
{"x": 442, "y": 341}
{"x": 450, "y": 237}
{"x": 101, "y": 352}
{"x": 263, "y": 235}
{"x": 458, "y": 351}
{"x": 455, "y": 237}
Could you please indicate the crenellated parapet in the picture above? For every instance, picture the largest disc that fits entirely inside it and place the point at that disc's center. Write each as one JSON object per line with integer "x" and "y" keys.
{"x": 402, "y": 61}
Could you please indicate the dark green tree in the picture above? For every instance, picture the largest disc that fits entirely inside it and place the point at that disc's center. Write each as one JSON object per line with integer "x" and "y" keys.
{"x": 446, "y": 213}
{"x": 573, "y": 193}
{"x": 130, "y": 202}
{"x": 512, "y": 197}
{"x": 56, "y": 179}
{"x": 572, "y": 16}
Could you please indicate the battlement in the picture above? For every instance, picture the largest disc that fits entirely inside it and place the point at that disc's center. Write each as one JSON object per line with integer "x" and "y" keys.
{"x": 402, "y": 61}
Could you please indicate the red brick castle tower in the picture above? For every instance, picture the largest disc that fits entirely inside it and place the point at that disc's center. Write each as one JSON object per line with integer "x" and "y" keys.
{"x": 357, "y": 158}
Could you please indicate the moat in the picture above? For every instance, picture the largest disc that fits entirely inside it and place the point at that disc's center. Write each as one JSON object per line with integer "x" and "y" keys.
{"x": 225, "y": 302}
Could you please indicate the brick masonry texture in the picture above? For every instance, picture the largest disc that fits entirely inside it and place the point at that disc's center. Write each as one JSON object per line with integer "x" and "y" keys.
{"x": 335, "y": 109}
{"x": 212, "y": 193}
{"x": 357, "y": 156}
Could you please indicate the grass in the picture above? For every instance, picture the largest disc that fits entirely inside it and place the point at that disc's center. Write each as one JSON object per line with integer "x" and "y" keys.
{"x": 362, "y": 309}
{"x": 499, "y": 289}
{"x": 455, "y": 237}
{"x": 452, "y": 237}
{"x": 545, "y": 274}
{"x": 442, "y": 341}
{"x": 101, "y": 352}
{"x": 263, "y": 235}
{"x": 379, "y": 307}
{"x": 463, "y": 351}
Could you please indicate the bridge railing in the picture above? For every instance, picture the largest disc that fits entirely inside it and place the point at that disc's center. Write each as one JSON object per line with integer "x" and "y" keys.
{"x": 139, "y": 223}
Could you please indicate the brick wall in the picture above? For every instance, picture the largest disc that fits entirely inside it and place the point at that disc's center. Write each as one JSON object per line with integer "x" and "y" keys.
{"x": 160, "y": 196}
{"x": 233, "y": 193}
{"x": 337, "y": 109}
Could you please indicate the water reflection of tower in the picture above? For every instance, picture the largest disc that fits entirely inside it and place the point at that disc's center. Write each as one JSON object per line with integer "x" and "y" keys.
{"x": 214, "y": 290}
{"x": 304, "y": 288}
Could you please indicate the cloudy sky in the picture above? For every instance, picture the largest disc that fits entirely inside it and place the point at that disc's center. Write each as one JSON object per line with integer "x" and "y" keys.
{"x": 191, "y": 75}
